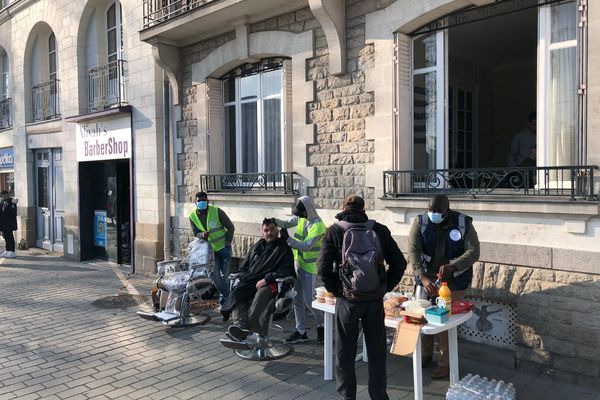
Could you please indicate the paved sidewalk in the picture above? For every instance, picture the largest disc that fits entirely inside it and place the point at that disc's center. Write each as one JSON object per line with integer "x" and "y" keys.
{"x": 55, "y": 344}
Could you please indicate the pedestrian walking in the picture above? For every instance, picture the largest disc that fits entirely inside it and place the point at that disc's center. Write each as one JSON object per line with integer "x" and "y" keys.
{"x": 8, "y": 223}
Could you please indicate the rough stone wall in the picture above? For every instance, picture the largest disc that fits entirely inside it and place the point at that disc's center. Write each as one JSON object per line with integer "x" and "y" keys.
{"x": 340, "y": 150}
{"x": 558, "y": 328}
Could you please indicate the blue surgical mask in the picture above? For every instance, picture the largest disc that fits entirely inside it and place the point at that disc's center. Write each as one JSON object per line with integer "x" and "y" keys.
{"x": 434, "y": 217}
{"x": 202, "y": 205}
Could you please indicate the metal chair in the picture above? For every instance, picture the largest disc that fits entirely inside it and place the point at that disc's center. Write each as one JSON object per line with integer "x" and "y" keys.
{"x": 261, "y": 348}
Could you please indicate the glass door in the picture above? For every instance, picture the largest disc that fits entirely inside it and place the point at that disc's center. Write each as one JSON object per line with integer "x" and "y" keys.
{"x": 50, "y": 213}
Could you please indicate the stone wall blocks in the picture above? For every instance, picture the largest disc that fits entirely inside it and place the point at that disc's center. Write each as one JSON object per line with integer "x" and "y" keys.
{"x": 349, "y": 147}
{"x": 303, "y": 14}
{"x": 329, "y": 171}
{"x": 357, "y": 31}
{"x": 338, "y": 81}
{"x": 356, "y": 135}
{"x": 318, "y": 159}
{"x": 350, "y": 100}
{"x": 572, "y": 278}
{"x": 339, "y": 114}
{"x": 324, "y": 138}
{"x": 320, "y": 116}
{"x": 341, "y": 159}
{"x": 345, "y": 181}
{"x": 311, "y": 24}
{"x": 338, "y": 137}
{"x": 331, "y": 103}
{"x": 296, "y": 27}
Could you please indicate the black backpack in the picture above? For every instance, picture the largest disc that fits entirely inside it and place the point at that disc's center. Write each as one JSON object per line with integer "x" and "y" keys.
{"x": 361, "y": 269}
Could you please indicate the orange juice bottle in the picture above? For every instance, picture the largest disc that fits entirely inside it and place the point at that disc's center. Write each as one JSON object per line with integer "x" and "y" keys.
{"x": 445, "y": 294}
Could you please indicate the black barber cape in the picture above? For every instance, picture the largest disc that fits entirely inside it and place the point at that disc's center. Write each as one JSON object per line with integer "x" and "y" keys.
{"x": 265, "y": 260}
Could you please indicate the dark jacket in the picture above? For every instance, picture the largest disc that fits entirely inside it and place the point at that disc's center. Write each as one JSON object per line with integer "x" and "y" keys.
{"x": 265, "y": 260}
{"x": 8, "y": 215}
{"x": 331, "y": 254}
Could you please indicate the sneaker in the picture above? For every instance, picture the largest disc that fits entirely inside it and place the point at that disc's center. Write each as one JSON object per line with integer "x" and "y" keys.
{"x": 296, "y": 337}
{"x": 237, "y": 333}
{"x": 320, "y": 335}
{"x": 3, "y": 253}
{"x": 9, "y": 254}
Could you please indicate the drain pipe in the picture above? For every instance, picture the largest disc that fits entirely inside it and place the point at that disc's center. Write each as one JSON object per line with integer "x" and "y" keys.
{"x": 167, "y": 168}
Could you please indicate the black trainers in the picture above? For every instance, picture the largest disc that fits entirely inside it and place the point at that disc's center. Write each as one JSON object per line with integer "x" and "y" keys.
{"x": 296, "y": 337}
{"x": 237, "y": 333}
{"x": 320, "y": 335}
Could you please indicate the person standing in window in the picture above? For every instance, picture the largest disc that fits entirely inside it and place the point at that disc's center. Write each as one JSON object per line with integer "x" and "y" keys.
{"x": 523, "y": 142}
{"x": 212, "y": 224}
{"x": 8, "y": 223}
{"x": 306, "y": 246}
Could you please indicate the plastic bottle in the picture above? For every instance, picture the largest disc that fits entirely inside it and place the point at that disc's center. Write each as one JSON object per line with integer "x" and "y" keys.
{"x": 446, "y": 294}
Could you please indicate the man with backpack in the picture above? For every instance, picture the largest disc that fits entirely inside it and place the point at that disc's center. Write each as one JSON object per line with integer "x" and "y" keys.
{"x": 442, "y": 241}
{"x": 351, "y": 266}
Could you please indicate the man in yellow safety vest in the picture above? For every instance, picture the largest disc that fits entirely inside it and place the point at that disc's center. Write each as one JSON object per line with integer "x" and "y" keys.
{"x": 306, "y": 246}
{"x": 212, "y": 224}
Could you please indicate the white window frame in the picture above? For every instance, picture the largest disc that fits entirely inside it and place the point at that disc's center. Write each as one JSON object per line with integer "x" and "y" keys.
{"x": 4, "y": 84}
{"x": 441, "y": 70}
{"x": 545, "y": 47}
{"x": 237, "y": 103}
{"x": 119, "y": 30}
{"x": 52, "y": 54}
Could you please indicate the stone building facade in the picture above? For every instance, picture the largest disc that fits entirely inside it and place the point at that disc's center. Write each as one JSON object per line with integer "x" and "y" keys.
{"x": 374, "y": 93}
{"x": 86, "y": 127}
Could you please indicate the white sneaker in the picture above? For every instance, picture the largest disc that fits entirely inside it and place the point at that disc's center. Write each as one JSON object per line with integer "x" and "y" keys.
{"x": 3, "y": 253}
{"x": 10, "y": 254}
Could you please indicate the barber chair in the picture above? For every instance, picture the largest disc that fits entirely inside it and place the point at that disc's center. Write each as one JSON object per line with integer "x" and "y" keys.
{"x": 261, "y": 348}
{"x": 178, "y": 285}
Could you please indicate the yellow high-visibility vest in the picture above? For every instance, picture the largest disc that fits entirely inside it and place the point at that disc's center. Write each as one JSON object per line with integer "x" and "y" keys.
{"x": 216, "y": 230}
{"x": 307, "y": 260}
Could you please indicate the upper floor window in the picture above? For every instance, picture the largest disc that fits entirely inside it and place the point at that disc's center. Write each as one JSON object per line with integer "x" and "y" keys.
{"x": 253, "y": 117}
{"x": 52, "y": 74}
{"x": 114, "y": 41}
{"x": 3, "y": 76}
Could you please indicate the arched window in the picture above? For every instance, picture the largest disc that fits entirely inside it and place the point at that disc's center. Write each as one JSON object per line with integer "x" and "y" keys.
{"x": 253, "y": 117}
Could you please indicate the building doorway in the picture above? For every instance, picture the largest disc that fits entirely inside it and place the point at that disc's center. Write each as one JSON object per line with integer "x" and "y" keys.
{"x": 105, "y": 210}
{"x": 50, "y": 211}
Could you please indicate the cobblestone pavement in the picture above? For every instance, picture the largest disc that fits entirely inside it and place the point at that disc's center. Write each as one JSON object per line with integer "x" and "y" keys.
{"x": 55, "y": 344}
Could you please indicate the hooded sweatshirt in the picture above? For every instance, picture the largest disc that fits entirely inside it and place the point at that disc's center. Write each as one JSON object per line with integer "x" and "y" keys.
{"x": 311, "y": 218}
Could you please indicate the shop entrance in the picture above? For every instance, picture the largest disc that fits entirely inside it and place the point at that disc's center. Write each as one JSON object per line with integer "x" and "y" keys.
{"x": 50, "y": 211}
{"x": 105, "y": 208}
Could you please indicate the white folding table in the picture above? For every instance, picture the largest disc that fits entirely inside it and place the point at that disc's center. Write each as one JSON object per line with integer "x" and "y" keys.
{"x": 429, "y": 329}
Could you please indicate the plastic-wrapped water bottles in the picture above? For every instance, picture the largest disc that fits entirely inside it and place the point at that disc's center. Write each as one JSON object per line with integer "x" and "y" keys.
{"x": 480, "y": 388}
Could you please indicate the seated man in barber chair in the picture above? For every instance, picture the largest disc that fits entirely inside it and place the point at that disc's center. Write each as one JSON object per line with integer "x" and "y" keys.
{"x": 269, "y": 263}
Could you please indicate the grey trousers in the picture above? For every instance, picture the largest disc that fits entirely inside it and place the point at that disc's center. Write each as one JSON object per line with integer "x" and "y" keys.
{"x": 254, "y": 317}
{"x": 305, "y": 294}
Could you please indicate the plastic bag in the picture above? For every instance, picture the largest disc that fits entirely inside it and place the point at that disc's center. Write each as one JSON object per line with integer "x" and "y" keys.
{"x": 199, "y": 252}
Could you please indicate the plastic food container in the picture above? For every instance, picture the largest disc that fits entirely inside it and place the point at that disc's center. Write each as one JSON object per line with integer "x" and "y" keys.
{"x": 416, "y": 306}
{"x": 330, "y": 300}
{"x": 320, "y": 299}
{"x": 321, "y": 291}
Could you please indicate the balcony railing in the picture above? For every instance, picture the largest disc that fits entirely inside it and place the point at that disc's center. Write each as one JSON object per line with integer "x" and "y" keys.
{"x": 574, "y": 182}
{"x": 46, "y": 100}
{"x": 282, "y": 182}
{"x": 106, "y": 85}
{"x": 5, "y": 107}
{"x": 157, "y": 11}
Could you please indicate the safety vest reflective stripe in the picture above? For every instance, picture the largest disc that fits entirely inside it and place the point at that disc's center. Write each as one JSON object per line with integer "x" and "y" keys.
{"x": 307, "y": 260}
{"x": 216, "y": 231}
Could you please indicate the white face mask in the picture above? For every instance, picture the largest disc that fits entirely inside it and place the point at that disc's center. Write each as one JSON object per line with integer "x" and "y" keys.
{"x": 434, "y": 217}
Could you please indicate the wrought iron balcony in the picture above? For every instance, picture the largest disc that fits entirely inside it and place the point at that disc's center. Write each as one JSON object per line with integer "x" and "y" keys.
{"x": 574, "y": 182}
{"x": 106, "y": 85}
{"x": 46, "y": 100}
{"x": 157, "y": 11}
{"x": 282, "y": 182}
{"x": 5, "y": 109}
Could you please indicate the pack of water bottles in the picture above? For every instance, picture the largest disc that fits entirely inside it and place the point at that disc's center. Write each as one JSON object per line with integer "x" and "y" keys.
{"x": 480, "y": 388}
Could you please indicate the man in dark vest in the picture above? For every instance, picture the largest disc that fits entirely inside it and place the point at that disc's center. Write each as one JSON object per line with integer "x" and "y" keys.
{"x": 442, "y": 241}
{"x": 211, "y": 223}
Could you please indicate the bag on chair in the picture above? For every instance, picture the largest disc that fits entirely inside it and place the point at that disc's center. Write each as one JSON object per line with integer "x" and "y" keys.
{"x": 361, "y": 270}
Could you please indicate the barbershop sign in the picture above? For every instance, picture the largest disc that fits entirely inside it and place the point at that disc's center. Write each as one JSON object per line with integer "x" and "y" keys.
{"x": 7, "y": 158}
{"x": 106, "y": 139}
